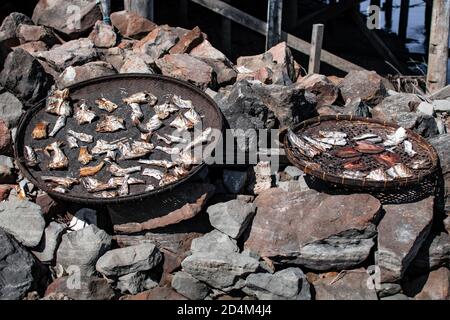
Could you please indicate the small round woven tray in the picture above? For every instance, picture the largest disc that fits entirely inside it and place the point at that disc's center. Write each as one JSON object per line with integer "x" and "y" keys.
{"x": 330, "y": 168}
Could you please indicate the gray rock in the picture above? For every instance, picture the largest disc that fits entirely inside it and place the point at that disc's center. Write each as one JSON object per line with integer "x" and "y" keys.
{"x": 214, "y": 241}
{"x": 10, "y": 27}
{"x": 398, "y": 296}
{"x": 441, "y": 105}
{"x": 441, "y": 144}
{"x": 81, "y": 288}
{"x": 434, "y": 253}
{"x": 388, "y": 289}
{"x": 137, "y": 63}
{"x": 287, "y": 284}
{"x": 6, "y": 170}
{"x": 232, "y": 217}
{"x": 127, "y": 260}
{"x": 135, "y": 282}
{"x": 366, "y": 85}
{"x": 46, "y": 250}
{"x": 31, "y": 33}
{"x": 82, "y": 249}
{"x": 398, "y": 109}
{"x": 22, "y": 219}
{"x": 294, "y": 172}
{"x": 219, "y": 270}
{"x": 103, "y": 35}
{"x": 87, "y": 71}
{"x": 25, "y": 77}
{"x": 234, "y": 180}
{"x": 425, "y": 108}
{"x": 158, "y": 42}
{"x": 189, "y": 287}
{"x": 426, "y": 126}
{"x": 4, "y": 51}
{"x": 19, "y": 270}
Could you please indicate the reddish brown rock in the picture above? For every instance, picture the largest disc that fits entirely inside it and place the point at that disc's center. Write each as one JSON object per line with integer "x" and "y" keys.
{"x": 33, "y": 47}
{"x": 401, "y": 233}
{"x": 432, "y": 286}
{"x": 30, "y": 33}
{"x": 317, "y": 230}
{"x": 188, "y": 42}
{"x": 84, "y": 288}
{"x": 158, "y": 42}
{"x": 131, "y": 24}
{"x": 158, "y": 293}
{"x": 137, "y": 63}
{"x": 335, "y": 80}
{"x": 103, "y": 35}
{"x": 87, "y": 71}
{"x": 5, "y": 139}
{"x": 367, "y": 85}
{"x": 49, "y": 207}
{"x": 325, "y": 91}
{"x": 205, "y": 50}
{"x": 187, "y": 68}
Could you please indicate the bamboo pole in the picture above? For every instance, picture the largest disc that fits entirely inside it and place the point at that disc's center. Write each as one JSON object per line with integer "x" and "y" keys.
{"x": 438, "y": 48}
{"x": 316, "y": 48}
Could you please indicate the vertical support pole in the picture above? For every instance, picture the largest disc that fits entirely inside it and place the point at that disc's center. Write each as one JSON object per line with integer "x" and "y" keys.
{"x": 316, "y": 48}
{"x": 388, "y": 14}
{"x": 274, "y": 15}
{"x": 403, "y": 21}
{"x": 144, "y": 8}
{"x": 106, "y": 10}
{"x": 428, "y": 10}
{"x": 438, "y": 49}
{"x": 226, "y": 34}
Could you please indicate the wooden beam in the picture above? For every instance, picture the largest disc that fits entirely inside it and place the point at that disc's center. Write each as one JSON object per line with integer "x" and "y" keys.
{"x": 438, "y": 48}
{"x": 329, "y": 12}
{"x": 274, "y": 19}
{"x": 260, "y": 27}
{"x": 403, "y": 20}
{"x": 144, "y": 8}
{"x": 316, "y": 48}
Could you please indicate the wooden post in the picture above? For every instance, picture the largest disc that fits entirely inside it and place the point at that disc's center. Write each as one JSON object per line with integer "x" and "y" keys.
{"x": 144, "y": 8}
{"x": 438, "y": 49}
{"x": 274, "y": 15}
{"x": 388, "y": 14}
{"x": 428, "y": 10}
{"x": 316, "y": 48}
{"x": 403, "y": 21}
{"x": 226, "y": 34}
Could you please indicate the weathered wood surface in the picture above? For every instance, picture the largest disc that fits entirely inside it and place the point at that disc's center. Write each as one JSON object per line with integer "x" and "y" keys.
{"x": 403, "y": 20}
{"x": 274, "y": 18}
{"x": 438, "y": 48}
{"x": 316, "y": 48}
{"x": 260, "y": 27}
{"x": 144, "y": 8}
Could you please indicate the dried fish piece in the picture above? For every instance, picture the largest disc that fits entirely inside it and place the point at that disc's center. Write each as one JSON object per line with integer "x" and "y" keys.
{"x": 103, "y": 146}
{"x": 141, "y": 97}
{"x": 181, "y": 123}
{"x": 59, "y": 124}
{"x": 183, "y": 104}
{"x": 110, "y": 124}
{"x": 153, "y": 173}
{"x": 193, "y": 116}
{"x": 409, "y": 148}
{"x": 175, "y": 139}
{"x": 40, "y": 130}
{"x": 368, "y": 148}
{"x": 83, "y": 137}
{"x": 94, "y": 185}
{"x": 153, "y": 124}
{"x": 118, "y": 171}
{"x": 186, "y": 159}
{"x": 124, "y": 188}
{"x": 332, "y": 134}
{"x": 399, "y": 171}
{"x": 163, "y": 139}
{"x": 60, "y": 189}
{"x": 137, "y": 150}
{"x": 167, "y": 179}
{"x": 58, "y": 103}
{"x": 333, "y": 141}
{"x": 110, "y": 156}
{"x": 90, "y": 171}
{"x": 355, "y": 164}
{"x": 199, "y": 140}
{"x": 171, "y": 151}
{"x": 84, "y": 115}
{"x": 164, "y": 110}
{"x": 303, "y": 147}
{"x": 72, "y": 142}
{"x": 389, "y": 159}
{"x": 353, "y": 174}
{"x": 180, "y": 172}
{"x": 158, "y": 163}
{"x": 371, "y": 137}
{"x": 61, "y": 181}
{"x": 84, "y": 157}
{"x": 419, "y": 164}
{"x": 59, "y": 160}
{"x": 117, "y": 181}
{"x": 319, "y": 145}
{"x": 106, "y": 194}
{"x": 347, "y": 152}
{"x": 396, "y": 138}
{"x": 107, "y": 105}
{"x": 30, "y": 157}
{"x": 377, "y": 175}
{"x": 136, "y": 113}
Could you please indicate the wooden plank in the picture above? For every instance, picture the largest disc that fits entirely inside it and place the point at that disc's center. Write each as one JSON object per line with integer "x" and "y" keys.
{"x": 438, "y": 48}
{"x": 329, "y": 12}
{"x": 259, "y": 26}
{"x": 274, "y": 18}
{"x": 144, "y": 8}
{"x": 403, "y": 20}
{"x": 316, "y": 48}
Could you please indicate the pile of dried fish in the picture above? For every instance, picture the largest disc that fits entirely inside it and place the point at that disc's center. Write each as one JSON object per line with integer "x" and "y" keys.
{"x": 367, "y": 156}
{"x": 101, "y": 167}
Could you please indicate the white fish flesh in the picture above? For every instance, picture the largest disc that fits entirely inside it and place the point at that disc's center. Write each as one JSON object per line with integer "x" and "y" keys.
{"x": 303, "y": 147}
{"x": 181, "y": 123}
{"x": 418, "y": 164}
{"x": 72, "y": 142}
{"x": 107, "y": 105}
{"x": 409, "y": 148}
{"x": 58, "y": 103}
{"x": 61, "y": 181}
{"x": 117, "y": 181}
{"x": 118, "y": 171}
{"x": 124, "y": 188}
{"x": 84, "y": 115}
{"x": 140, "y": 98}
{"x": 171, "y": 151}
{"x": 30, "y": 157}
{"x": 399, "y": 171}
{"x": 111, "y": 155}
{"x": 186, "y": 159}
{"x": 59, "y": 124}
{"x": 193, "y": 116}
{"x": 103, "y": 146}
{"x": 333, "y": 141}
{"x": 83, "y": 137}
{"x": 396, "y": 138}
{"x": 106, "y": 194}
{"x": 319, "y": 145}
{"x": 180, "y": 172}
{"x": 153, "y": 173}
{"x": 153, "y": 124}
{"x": 94, "y": 185}
{"x": 163, "y": 111}
{"x": 138, "y": 149}
{"x": 183, "y": 104}
{"x": 377, "y": 175}
{"x": 110, "y": 124}
{"x": 199, "y": 140}
{"x": 353, "y": 174}
{"x": 332, "y": 134}
{"x": 158, "y": 163}
{"x": 136, "y": 113}
{"x": 175, "y": 139}
{"x": 59, "y": 160}
{"x": 365, "y": 136}
{"x": 163, "y": 139}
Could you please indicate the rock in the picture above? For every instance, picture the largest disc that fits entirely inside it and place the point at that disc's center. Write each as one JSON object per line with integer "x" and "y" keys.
{"x": 87, "y": 71}
{"x": 219, "y": 270}
{"x": 7, "y": 174}
{"x": 4, "y": 51}
{"x": 22, "y": 219}
{"x": 287, "y": 284}
{"x": 251, "y": 105}
{"x": 137, "y": 63}
{"x": 441, "y": 144}
{"x": 310, "y": 235}
{"x": 46, "y": 249}
{"x": 401, "y": 233}
{"x": 398, "y": 296}
{"x": 425, "y": 108}
{"x": 367, "y": 85}
{"x": 234, "y": 180}
{"x": 19, "y": 271}
{"x": 48, "y": 206}
{"x": 4, "y": 191}
{"x": 205, "y": 50}
{"x": 434, "y": 253}
{"x": 388, "y": 289}
{"x": 294, "y": 172}
{"x": 188, "y": 42}
{"x": 398, "y": 109}
{"x": 189, "y": 287}
{"x": 232, "y": 217}
{"x": 135, "y": 282}
{"x": 263, "y": 177}
{"x": 5, "y": 139}
{"x": 131, "y": 24}
{"x": 158, "y": 293}
{"x": 353, "y": 285}
{"x": 83, "y": 218}
{"x": 82, "y": 249}
{"x": 119, "y": 262}
{"x": 34, "y": 47}
{"x": 187, "y": 68}
{"x": 441, "y": 105}
{"x": 10, "y": 109}
{"x": 24, "y": 76}
{"x": 355, "y": 107}
{"x": 214, "y": 241}
{"x": 71, "y": 53}
{"x": 70, "y": 17}
{"x": 115, "y": 56}
{"x": 158, "y": 42}
{"x": 31, "y": 33}
{"x": 447, "y": 224}
{"x": 325, "y": 91}
{"x": 426, "y": 126}
{"x": 103, "y": 35}
{"x": 81, "y": 288}
{"x": 433, "y": 286}
{"x": 224, "y": 71}
{"x": 9, "y": 30}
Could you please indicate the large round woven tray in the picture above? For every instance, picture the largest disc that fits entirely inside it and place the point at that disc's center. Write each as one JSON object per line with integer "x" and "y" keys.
{"x": 330, "y": 169}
